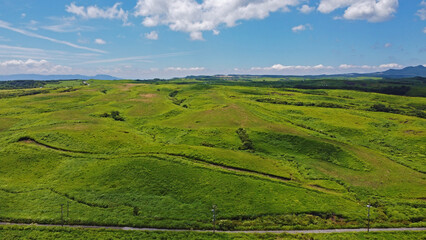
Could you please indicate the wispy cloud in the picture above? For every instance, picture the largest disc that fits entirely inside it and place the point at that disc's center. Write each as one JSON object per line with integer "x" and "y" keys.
{"x": 100, "y": 41}
{"x": 32, "y": 25}
{"x": 20, "y": 48}
{"x": 3, "y": 39}
{"x": 152, "y": 35}
{"x": 8, "y": 26}
{"x": 92, "y": 12}
{"x": 139, "y": 58}
{"x": 8, "y": 51}
{"x": 422, "y": 11}
{"x": 65, "y": 24}
{"x": 301, "y": 28}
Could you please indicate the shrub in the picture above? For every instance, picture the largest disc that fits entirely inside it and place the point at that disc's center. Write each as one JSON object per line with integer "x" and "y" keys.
{"x": 247, "y": 143}
{"x": 173, "y": 94}
{"x": 114, "y": 115}
{"x": 382, "y": 108}
{"x": 105, "y": 115}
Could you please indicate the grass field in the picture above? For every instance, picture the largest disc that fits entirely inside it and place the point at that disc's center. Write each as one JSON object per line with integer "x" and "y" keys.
{"x": 160, "y": 154}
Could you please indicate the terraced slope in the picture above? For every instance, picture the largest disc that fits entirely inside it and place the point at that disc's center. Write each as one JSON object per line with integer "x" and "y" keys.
{"x": 161, "y": 154}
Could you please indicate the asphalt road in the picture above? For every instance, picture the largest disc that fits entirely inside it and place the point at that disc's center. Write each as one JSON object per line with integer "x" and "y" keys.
{"x": 253, "y": 231}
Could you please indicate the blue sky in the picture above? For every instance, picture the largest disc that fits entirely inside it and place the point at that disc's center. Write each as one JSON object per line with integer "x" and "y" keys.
{"x": 170, "y": 38}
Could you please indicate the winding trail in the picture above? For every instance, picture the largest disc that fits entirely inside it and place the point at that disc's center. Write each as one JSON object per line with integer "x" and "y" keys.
{"x": 30, "y": 140}
{"x": 220, "y": 231}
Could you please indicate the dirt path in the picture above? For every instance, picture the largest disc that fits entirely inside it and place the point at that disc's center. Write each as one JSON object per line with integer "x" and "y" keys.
{"x": 253, "y": 231}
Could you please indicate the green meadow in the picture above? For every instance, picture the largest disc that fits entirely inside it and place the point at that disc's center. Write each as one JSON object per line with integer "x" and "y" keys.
{"x": 161, "y": 153}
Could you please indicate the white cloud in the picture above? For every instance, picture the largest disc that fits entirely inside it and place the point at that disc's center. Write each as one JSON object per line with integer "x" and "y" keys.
{"x": 152, "y": 35}
{"x": 301, "y": 28}
{"x": 100, "y": 41}
{"x": 349, "y": 66}
{"x": 194, "y": 17}
{"x": 370, "y": 67}
{"x": 318, "y": 69}
{"x": 196, "y": 36}
{"x": 306, "y": 9}
{"x": 391, "y": 65}
{"x": 290, "y": 69}
{"x": 370, "y": 10}
{"x": 29, "y": 62}
{"x": 32, "y": 66}
{"x": 92, "y": 12}
{"x": 346, "y": 66}
{"x": 422, "y": 11}
{"x": 327, "y": 6}
{"x": 180, "y": 69}
{"x": 280, "y": 67}
{"x": 388, "y": 45}
{"x": 6, "y": 25}
{"x": 424, "y": 30}
{"x": 23, "y": 15}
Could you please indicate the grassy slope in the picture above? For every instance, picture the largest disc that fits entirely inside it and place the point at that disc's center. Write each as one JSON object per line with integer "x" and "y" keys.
{"x": 177, "y": 154}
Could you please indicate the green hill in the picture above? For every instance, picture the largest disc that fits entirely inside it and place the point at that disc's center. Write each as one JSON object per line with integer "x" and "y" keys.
{"x": 161, "y": 153}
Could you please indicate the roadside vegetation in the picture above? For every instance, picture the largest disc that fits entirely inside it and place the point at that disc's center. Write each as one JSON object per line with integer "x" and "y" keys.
{"x": 161, "y": 153}
{"x": 46, "y": 233}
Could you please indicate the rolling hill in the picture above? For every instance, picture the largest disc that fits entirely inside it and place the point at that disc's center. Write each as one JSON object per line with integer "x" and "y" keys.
{"x": 161, "y": 153}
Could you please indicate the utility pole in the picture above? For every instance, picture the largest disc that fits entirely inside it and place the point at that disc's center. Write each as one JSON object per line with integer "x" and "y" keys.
{"x": 368, "y": 217}
{"x": 214, "y": 217}
{"x": 62, "y": 214}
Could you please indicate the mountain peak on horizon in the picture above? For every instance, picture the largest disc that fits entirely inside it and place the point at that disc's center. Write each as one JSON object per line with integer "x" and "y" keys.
{"x": 410, "y": 71}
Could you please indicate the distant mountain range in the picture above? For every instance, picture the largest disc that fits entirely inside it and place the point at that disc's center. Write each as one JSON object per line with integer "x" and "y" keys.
{"x": 408, "y": 72}
{"x": 416, "y": 71}
{"x": 54, "y": 77}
